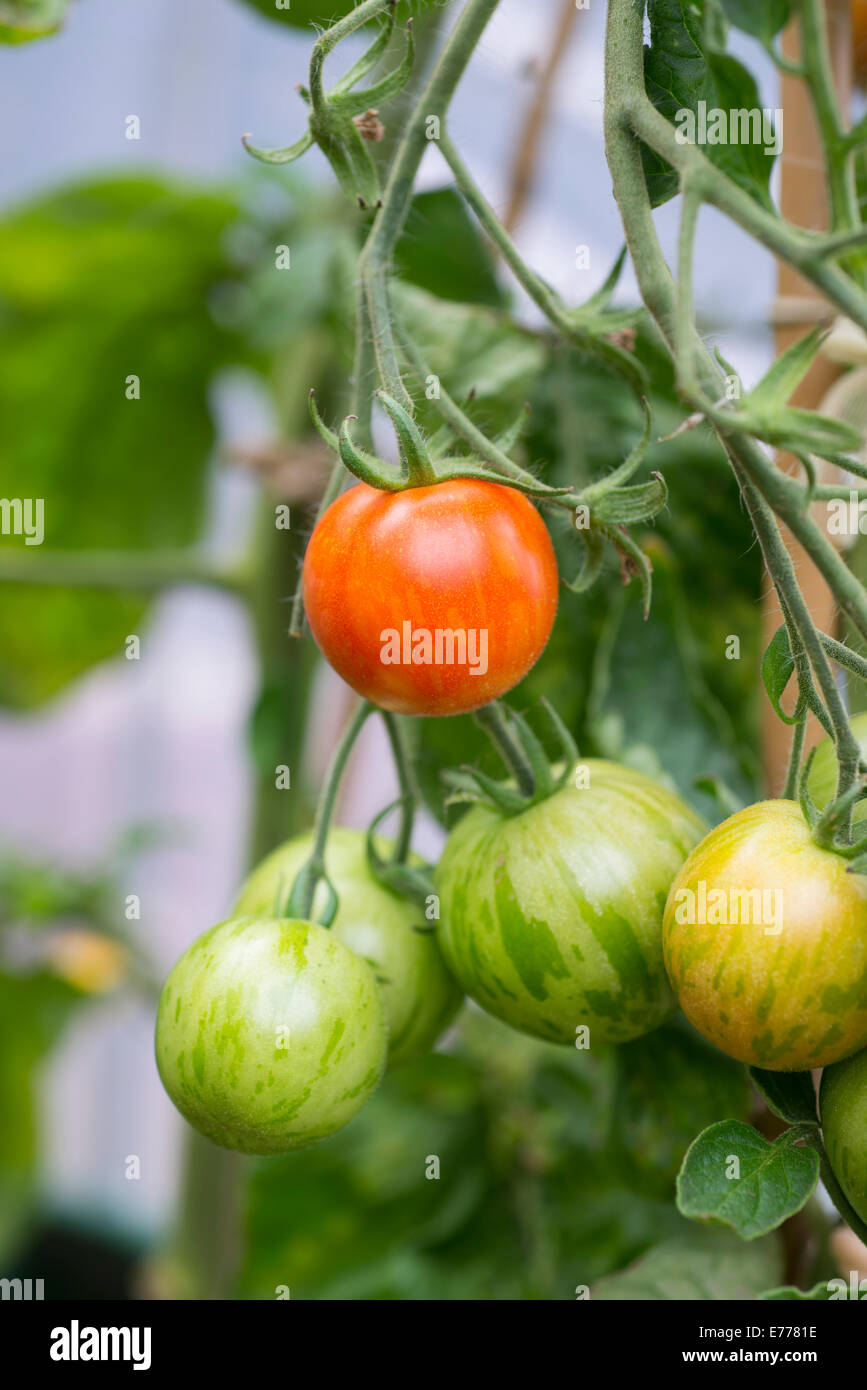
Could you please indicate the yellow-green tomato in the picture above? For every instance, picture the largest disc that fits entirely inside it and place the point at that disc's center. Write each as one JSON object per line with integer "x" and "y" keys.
{"x": 552, "y": 918}
{"x": 843, "y": 1109}
{"x": 822, "y": 782}
{"x": 765, "y": 942}
{"x": 270, "y": 1034}
{"x": 420, "y": 995}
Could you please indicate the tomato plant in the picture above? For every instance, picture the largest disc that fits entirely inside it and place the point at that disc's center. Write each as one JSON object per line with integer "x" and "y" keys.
{"x": 843, "y": 1108}
{"x": 552, "y": 918}
{"x": 270, "y": 1034}
{"x": 387, "y": 931}
{"x": 495, "y": 552}
{"x": 765, "y": 942}
{"x": 433, "y": 600}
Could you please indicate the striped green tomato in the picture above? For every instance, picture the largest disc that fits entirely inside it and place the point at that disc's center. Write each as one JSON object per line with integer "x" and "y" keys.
{"x": 270, "y": 1034}
{"x": 420, "y": 996}
{"x": 765, "y": 941}
{"x": 552, "y": 918}
{"x": 843, "y": 1108}
{"x": 822, "y": 782}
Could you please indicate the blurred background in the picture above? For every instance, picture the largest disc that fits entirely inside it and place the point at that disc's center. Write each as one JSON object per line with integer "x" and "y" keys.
{"x": 137, "y": 779}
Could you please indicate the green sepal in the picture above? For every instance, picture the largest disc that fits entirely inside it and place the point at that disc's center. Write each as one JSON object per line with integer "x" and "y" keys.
{"x": 471, "y": 785}
{"x": 407, "y": 880}
{"x": 353, "y": 103}
{"x": 365, "y": 466}
{"x": 641, "y": 565}
{"x": 369, "y": 58}
{"x": 413, "y": 452}
{"x": 285, "y": 156}
{"x": 506, "y": 441}
{"x": 321, "y": 428}
{"x": 626, "y": 506}
{"x": 591, "y": 565}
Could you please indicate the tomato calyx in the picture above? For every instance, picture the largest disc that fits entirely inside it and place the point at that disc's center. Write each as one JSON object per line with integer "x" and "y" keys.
{"x": 829, "y": 828}
{"x": 421, "y": 464}
{"x": 534, "y": 777}
{"x": 407, "y": 880}
{"x": 335, "y": 123}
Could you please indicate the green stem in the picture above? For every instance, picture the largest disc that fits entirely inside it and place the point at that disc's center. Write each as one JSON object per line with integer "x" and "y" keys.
{"x": 684, "y": 318}
{"x": 120, "y": 570}
{"x": 541, "y": 293}
{"x": 835, "y": 1191}
{"x": 493, "y": 720}
{"x": 312, "y": 873}
{"x": 796, "y": 752}
{"x": 567, "y": 322}
{"x": 816, "y": 61}
{"x": 374, "y": 342}
{"x": 406, "y": 780}
{"x": 375, "y": 260}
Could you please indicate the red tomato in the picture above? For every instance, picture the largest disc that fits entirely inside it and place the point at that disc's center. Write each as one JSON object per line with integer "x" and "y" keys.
{"x": 433, "y": 600}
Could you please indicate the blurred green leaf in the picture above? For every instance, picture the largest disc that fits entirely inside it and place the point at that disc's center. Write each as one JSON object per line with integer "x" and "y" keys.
{"x": 650, "y": 705}
{"x": 442, "y": 252}
{"x": 706, "y": 1266}
{"x": 525, "y": 1205}
{"x": 22, "y": 20}
{"x": 668, "y": 1085}
{"x": 487, "y": 363}
{"x": 99, "y": 283}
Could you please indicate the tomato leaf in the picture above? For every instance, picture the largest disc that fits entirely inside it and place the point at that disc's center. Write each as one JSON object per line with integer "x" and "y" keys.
{"x": 442, "y": 252}
{"x": 732, "y": 1174}
{"x": 789, "y": 1094}
{"x": 706, "y": 1266}
{"x": 777, "y": 667}
{"x": 762, "y": 20}
{"x": 818, "y": 1294}
{"x": 682, "y": 70}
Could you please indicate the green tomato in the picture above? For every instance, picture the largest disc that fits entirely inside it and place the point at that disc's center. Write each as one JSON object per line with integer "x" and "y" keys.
{"x": 843, "y": 1108}
{"x": 22, "y": 20}
{"x": 270, "y": 1034}
{"x": 552, "y": 918}
{"x": 822, "y": 781}
{"x": 420, "y": 996}
{"x": 765, "y": 942}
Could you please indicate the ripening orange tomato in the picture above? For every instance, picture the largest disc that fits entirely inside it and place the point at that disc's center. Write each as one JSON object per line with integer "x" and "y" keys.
{"x": 434, "y": 600}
